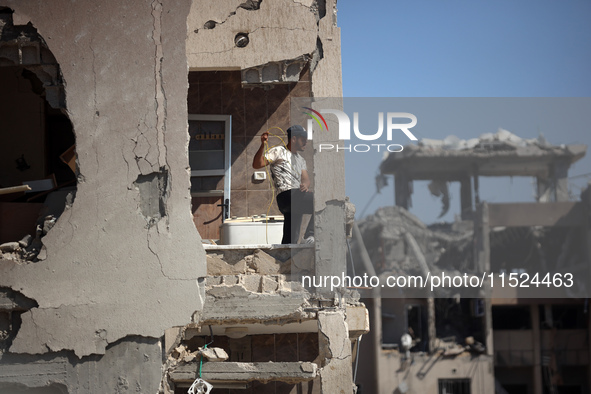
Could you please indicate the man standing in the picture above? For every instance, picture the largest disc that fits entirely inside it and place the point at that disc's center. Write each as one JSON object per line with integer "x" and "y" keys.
{"x": 291, "y": 180}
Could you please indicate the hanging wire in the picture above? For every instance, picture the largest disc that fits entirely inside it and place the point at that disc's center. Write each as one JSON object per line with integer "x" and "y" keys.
{"x": 350, "y": 256}
{"x": 357, "y": 358}
{"x": 211, "y": 334}
{"x": 205, "y": 347}
{"x": 271, "y": 183}
{"x": 367, "y": 205}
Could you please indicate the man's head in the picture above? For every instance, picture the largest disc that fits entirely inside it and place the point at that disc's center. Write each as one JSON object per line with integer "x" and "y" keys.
{"x": 298, "y": 137}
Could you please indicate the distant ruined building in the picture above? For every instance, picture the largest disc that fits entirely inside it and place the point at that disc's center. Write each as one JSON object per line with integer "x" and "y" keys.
{"x": 510, "y": 339}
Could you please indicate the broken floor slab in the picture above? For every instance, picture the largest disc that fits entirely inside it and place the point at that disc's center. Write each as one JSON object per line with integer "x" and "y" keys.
{"x": 288, "y": 372}
{"x": 235, "y": 305}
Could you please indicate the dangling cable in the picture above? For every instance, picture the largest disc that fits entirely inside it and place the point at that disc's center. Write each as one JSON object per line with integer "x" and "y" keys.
{"x": 271, "y": 183}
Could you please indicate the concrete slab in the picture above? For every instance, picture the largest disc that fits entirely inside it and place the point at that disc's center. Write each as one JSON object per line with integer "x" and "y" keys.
{"x": 290, "y": 372}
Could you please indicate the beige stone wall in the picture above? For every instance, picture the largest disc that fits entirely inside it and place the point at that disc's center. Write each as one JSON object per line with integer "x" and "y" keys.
{"x": 278, "y": 30}
{"x": 125, "y": 258}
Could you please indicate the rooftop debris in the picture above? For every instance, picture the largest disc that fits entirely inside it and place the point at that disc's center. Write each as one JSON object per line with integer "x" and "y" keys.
{"x": 397, "y": 242}
{"x": 430, "y": 158}
{"x": 499, "y": 141}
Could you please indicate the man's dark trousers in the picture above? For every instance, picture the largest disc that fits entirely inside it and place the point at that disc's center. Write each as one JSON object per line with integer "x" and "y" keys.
{"x": 293, "y": 204}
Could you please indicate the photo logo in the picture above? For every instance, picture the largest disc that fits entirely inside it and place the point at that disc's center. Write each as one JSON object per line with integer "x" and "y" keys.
{"x": 391, "y": 123}
{"x": 318, "y": 115}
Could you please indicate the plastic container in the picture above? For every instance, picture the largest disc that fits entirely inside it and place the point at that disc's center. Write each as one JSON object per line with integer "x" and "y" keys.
{"x": 245, "y": 231}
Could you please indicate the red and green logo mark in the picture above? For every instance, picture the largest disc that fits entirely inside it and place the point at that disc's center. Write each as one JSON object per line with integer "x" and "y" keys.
{"x": 315, "y": 115}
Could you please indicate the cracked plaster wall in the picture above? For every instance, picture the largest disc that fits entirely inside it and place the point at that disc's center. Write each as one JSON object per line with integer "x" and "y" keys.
{"x": 110, "y": 271}
{"x": 278, "y": 30}
{"x": 335, "y": 351}
{"x": 329, "y": 200}
{"x": 132, "y": 364}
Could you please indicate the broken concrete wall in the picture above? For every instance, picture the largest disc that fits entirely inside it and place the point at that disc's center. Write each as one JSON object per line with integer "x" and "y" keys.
{"x": 132, "y": 364}
{"x": 114, "y": 256}
{"x": 275, "y": 31}
{"x": 422, "y": 373}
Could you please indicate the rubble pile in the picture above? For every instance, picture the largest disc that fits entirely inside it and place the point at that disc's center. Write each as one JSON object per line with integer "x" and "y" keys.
{"x": 502, "y": 140}
{"x": 183, "y": 354}
{"x": 392, "y": 234}
{"x": 29, "y": 248}
{"x": 235, "y": 262}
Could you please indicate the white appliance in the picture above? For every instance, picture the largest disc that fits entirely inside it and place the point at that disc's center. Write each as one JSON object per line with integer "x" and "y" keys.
{"x": 252, "y": 231}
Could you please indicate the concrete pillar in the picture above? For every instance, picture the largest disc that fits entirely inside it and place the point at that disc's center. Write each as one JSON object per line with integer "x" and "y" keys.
{"x": 377, "y": 328}
{"x": 536, "y": 338}
{"x": 589, "y": 350}
{"x": 481, "y": 239}
{"x": 544, "y": 193}
{"x": 329, "y": 176}
{"x": 466, "y": 197}
{"x": 482, "y": 264}
{"x": 560, "y": 171}
{"x": 431, "y": 328}
{"x": 585, "y": 197}
{"x": 476, "y": 186}
{"x": 402, "y": 190}
{"x": 335, "y": 353}
{"x": 329, "y": 201}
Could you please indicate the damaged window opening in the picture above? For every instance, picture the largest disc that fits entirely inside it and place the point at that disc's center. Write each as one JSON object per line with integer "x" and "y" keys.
{"x": 460, "y": 322}
{"x": 511, "y": 318}
{"x": 563, "y": 317}
{"x": 454, "y": 386}
{"x": 37, "y": 155}
{"x": 527, "y": 249}
{"x": 223, "y": 352}
{"x": 415, "y": 326}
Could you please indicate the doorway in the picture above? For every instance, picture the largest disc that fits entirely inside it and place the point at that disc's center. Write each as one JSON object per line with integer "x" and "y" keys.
{"x": 209, "y": 158}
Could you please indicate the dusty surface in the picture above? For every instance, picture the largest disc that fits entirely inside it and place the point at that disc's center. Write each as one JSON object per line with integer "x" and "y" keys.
{"x": 128, "y": 239}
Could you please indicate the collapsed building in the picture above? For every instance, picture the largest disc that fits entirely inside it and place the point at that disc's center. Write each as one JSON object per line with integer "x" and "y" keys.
{"x": 127, "y": 129}
{"x": 507, "y": 339}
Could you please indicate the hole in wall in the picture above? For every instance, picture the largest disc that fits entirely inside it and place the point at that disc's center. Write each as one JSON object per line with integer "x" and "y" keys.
{"x": 241, "y": 40}
{"x": 38, "y": 143}
{"x": 209, "y": 25}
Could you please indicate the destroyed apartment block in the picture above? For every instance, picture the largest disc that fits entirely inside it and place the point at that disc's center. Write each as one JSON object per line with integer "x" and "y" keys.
{"x": 506, "y": 339}
{"x": 138, "y": 247}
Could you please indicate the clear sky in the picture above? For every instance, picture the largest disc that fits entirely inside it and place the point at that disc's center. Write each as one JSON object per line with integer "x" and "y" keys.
{"x": 500, "y": 48}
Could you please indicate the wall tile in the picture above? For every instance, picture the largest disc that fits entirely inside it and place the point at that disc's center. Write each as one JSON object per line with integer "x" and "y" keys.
{"x": 308, "y": 346}
{"x": 240, "y": 163}
{"x": 239, "y": 203}
{"x": 301, "y": 89}
{"x": 286, "y": 347}
{"x": 261, "y": 202}
{"x": 263, "y": 348}
{"x": 279, "y": 108}
{"x": 210, "y": 98}
{"x": 255, "y": 107}
{"x": 251, "y": 149}
{"x": 233, "y": 104}
{"x": 193, "y": 98}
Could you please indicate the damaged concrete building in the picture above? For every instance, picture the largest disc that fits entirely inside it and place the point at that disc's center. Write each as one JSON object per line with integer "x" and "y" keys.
{"x": 528, "y": 339}
{"x": 127, "y": 132}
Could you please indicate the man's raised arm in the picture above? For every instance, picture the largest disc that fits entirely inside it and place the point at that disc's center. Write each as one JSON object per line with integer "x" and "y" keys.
{"x": 259, "y": 160}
